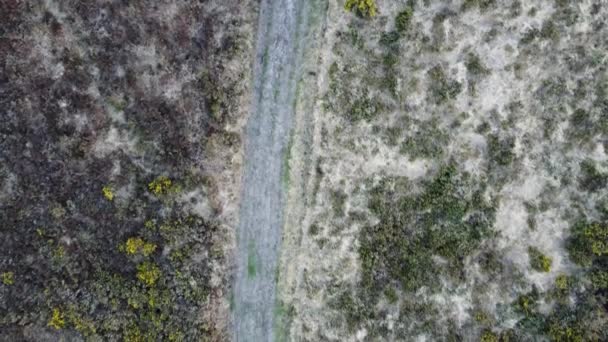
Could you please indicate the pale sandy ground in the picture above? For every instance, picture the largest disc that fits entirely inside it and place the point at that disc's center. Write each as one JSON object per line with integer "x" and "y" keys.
{"x": 308, "y": 271}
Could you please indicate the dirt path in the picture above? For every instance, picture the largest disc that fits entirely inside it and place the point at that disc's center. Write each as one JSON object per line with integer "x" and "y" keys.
{"x": 276, "y": 70}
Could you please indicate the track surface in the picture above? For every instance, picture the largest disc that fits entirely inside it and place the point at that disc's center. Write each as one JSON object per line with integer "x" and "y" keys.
{"x": 266, "y": 139}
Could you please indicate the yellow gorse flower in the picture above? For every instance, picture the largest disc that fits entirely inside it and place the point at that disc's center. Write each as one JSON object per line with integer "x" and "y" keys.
{"x": 363, "y": 7}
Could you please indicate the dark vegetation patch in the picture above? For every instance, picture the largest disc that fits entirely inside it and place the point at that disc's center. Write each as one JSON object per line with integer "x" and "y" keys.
{"x": 425, "y": 140}
{"x": 588, "y": 244}
{"x": 447, "y": 218}
{"x": 475, "y": 66}
{"x": 500, "y": 151}
{"x": 483, "y": 5}
{"x": 552, "y": 90}
{"x": 538, "y": 261}
{"x": 338, "y": 199}
{"x": 549, "y": 30}
{"x": 591, "y": 179}
{"x": 582, "y": 126}
{"x": 441, "y": 88}
{"x": 476, "y": 71}
{"x": 98, "y": 245}
{"x": 404, "y": 19}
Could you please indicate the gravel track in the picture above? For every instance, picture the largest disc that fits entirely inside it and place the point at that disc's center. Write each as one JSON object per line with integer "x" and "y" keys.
{"x": 279, "y": 48}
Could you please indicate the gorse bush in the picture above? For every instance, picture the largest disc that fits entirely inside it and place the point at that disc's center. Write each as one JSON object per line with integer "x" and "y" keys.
{"x": 57, "y": 320}
{"x": 489, "y": 336}
{"x": 160, "y": 185}
{"x": 148, "y": 273}
{"x": 8, "y": 278}
{"x": 538, "y": 261}
{"x": 588, "y": 243}
{"x": 364, "y": 8}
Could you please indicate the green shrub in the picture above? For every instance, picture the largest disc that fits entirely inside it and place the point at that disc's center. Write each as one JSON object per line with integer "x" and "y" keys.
{"x": 591, "y": 178}
{"x": 582, "y": 127}
{"x": 549, "y": 30}
{"x": 338, "y": 199}
{"x": 562, "y": 282}
{"x": 391, "y": 295}
{"x": 388, "y": 39}
{"x": 588, "y": 242}
{"x": 403, "y": 19}
{"x": 475, "y": 66}
{"x": 354, "y": 310}
{"x": 538, "y": 261}
{"x": 363, "y": 109}
{"x": 442, "y": 88}
{"x": 529, "y": 36}
{"x": 501, "y": 150}
{"x": 552, "y": 91}
{"x": 313, "y": 229}
{"x": 428, "y": 141}
{"x": 565, "y": 334}
{"x": 148, "y": 273}
{"x": 527, "y": 303}
{"x": 490, "y": 262}
{"x": 599, "y": 279}
{"x": 488, "y": 336}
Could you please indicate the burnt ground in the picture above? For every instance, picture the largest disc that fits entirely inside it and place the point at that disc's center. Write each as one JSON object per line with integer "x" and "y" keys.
{"x": 119, "y": 149}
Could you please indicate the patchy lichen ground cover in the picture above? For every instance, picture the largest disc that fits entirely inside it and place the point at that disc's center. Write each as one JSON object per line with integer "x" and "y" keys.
{"x": 119, "y": 167}
{"x": 459, "y": 177}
